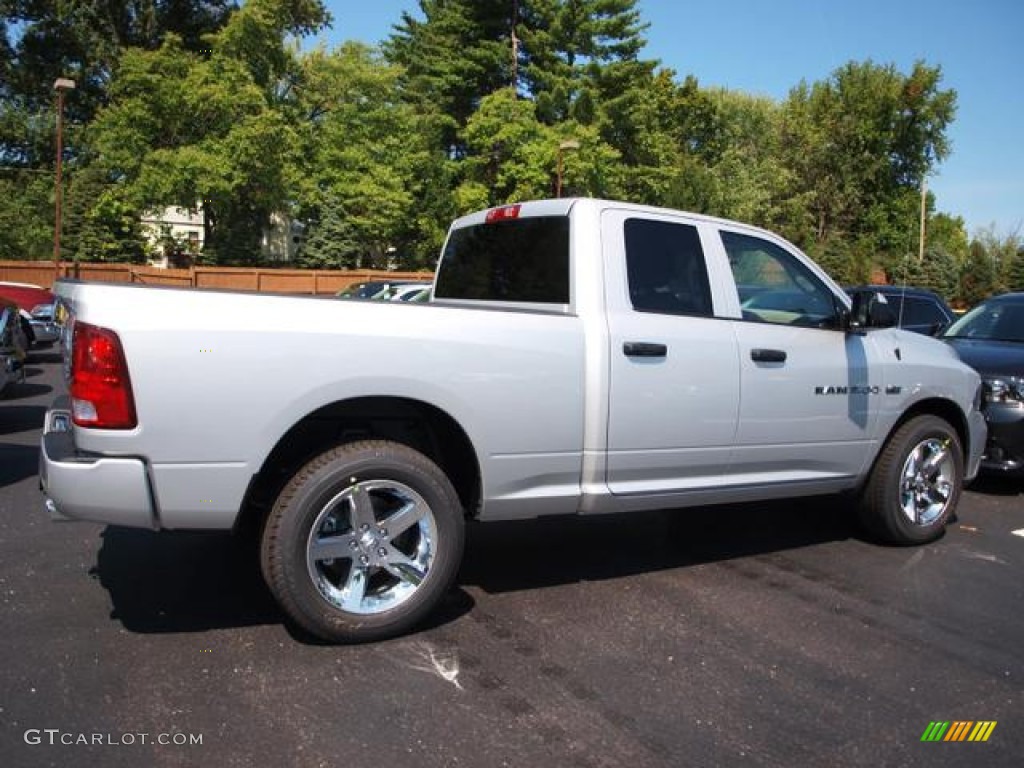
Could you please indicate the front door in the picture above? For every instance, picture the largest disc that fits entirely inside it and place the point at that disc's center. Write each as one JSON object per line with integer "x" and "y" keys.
{"x": 810, "y": 391}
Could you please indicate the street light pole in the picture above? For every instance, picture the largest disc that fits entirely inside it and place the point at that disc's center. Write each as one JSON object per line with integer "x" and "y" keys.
{"x": 60, "y": 85}
{"x": 924, "y": 214}
{"x": 567, "y": 144}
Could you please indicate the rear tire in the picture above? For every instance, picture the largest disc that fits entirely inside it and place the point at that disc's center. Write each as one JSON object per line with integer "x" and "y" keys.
{"x": 363, "y": 542}
{"x": 915, "y": 485}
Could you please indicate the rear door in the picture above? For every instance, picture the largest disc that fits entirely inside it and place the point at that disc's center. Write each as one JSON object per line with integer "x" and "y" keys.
{"x": 674, "y": 371}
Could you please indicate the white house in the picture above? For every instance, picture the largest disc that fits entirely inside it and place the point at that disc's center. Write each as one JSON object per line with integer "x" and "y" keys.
{"x": 278, "y": 242}
{"x": 182, "y": 224}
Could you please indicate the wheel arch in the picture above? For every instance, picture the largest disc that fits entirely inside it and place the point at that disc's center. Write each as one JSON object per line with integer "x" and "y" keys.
{"x": 934, "y": 406}
{"x": 905, "y": 499}
{"x": 947, "y": 410}
{"x": 414, "y": 423}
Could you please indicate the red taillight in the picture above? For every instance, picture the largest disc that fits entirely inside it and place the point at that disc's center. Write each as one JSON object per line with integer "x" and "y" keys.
{"x": 101, "y": 392}
{"x": 505, "y": 213}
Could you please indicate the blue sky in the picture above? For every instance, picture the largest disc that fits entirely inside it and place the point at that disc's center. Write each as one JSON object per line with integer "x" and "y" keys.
{"x": 768, "y": 46}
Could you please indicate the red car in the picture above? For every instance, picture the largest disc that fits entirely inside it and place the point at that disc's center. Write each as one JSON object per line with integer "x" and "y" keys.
{"x": 26, "y": 296}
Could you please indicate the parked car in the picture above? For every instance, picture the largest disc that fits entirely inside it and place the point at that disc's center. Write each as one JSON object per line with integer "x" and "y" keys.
{"x": 382, "y": 290}
{"x": 26, "y": 295}
{"x": 990, "y": 339}
{"x": 917, "y": 309}
{"x": 39, "y": 328}
{"x": 411, "y": 292}
{"x": 45, "y": 328}
{"x": 577, "y": 357}
{"x": 365, "y": 290}
{"x": 12, "y": 344}
{"x": 379, "y": 290}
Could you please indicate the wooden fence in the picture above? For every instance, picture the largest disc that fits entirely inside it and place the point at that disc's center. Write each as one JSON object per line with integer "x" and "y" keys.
{"x": 265, "y": 280}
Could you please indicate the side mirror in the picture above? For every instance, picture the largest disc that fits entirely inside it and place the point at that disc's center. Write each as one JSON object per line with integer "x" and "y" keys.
{"x": 870, "y": 310}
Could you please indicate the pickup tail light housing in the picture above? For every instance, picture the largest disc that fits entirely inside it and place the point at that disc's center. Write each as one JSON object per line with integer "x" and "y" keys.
{"x": 101, "y": 391}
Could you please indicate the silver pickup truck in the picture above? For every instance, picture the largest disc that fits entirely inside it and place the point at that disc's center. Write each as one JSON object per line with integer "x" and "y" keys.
{"x": 577, "y": 357}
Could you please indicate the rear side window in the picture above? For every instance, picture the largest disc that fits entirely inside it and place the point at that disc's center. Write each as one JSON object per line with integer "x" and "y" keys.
{"x": 666, "y": 269}
{"x": 522, "y": 260}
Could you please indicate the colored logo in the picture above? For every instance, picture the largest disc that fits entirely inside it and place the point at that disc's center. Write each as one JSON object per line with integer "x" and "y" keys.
{"x": 959, "y": 730}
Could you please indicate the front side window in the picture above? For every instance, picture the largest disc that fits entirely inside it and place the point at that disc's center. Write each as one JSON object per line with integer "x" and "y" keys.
{"x": 921, "y": 312}
{"x": 520, "y": 260}
{"x": 665, "y": 268}
{"x": 775, "y": 287}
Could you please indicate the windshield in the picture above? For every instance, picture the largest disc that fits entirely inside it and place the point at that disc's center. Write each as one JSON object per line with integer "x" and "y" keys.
{"x": 992, "y": 321}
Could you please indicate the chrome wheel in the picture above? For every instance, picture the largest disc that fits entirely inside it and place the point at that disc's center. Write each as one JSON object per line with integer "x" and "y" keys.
{"x": 363, "y": 542}
{"x": 371, "y": 546}
{"x": 927, "y": 481}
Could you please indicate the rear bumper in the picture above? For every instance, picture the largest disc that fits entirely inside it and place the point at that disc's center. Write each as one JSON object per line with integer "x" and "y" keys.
{"x": 77, "y": 486}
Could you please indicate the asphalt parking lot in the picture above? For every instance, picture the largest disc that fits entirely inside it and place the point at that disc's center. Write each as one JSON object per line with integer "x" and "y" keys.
{"x": 768, "y": 634}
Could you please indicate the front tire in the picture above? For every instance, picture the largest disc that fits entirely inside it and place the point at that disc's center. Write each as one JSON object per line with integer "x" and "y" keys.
{"x": 363, "y": 542}
{"x": 915, "y": 485}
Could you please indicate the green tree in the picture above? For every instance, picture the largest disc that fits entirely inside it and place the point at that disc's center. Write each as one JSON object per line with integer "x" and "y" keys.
{"x": 949, "y": 233}
{"x": 582, "y": 67}
{"x": 46, "y": 39}
{"x": 370, "y": 155}
{"x": 978, "y": 278}
{"x": 26, "y": 216}
{"x": 941, "y": 272}
{"x": 512, "y": 156}
{"x": 41, "y": 40}
{"x": 842, "y": 260}
{"x": 183, "y": 127}
{"x": 504, "y": 146}
{"x": 1015, "y": 274}
{"x": 579, "y": 53}
{"x": 858, "y": 146}
{"x": 100, "y": 224}
{"x": 1001, "y": 250}
{"x": 668, "y": 144}
{"x": 331, "y": 242}
{"x": 466, "y": 105}
{"x": 749, "y": 177}
{"x": 458, "y": 53}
